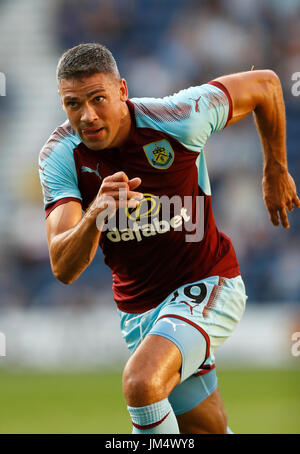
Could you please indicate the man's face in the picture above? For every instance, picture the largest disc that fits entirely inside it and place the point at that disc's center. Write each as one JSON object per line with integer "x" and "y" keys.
{"x": 97, "y": 110}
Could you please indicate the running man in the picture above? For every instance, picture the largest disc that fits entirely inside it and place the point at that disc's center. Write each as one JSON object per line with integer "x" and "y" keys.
{"x": 179, "y": 293}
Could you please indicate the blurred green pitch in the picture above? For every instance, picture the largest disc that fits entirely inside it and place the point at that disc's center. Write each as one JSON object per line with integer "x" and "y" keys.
{"x": 257, "y": 401}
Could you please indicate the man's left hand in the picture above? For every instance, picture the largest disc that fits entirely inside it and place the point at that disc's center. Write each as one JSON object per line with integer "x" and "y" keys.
{"x": 279, "y": 193}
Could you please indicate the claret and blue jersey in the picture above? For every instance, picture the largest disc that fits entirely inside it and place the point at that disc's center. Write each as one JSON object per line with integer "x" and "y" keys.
{"x": 164, "y": 149}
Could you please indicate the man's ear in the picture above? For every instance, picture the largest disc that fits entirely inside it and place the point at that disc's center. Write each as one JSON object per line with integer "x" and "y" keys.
{"x": 123, "y": 90}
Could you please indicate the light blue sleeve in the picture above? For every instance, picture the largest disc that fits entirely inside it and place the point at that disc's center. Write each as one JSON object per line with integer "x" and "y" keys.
{"x": 57, "y": 168}
{"x": 190, "y": 116}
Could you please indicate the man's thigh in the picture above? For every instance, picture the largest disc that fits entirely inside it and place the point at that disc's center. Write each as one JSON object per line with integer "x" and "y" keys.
{"x": 208, "y": 417}
{"x": 198, "y": 406}
{"x": 193, "y": 391}
{"x": 151, "y": 372}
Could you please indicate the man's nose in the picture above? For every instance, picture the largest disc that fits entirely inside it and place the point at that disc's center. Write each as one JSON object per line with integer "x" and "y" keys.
{"x": 88, "y": 114}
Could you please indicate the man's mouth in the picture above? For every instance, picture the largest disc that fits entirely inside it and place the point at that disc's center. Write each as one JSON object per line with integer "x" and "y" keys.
{"x": 92, "y": 132}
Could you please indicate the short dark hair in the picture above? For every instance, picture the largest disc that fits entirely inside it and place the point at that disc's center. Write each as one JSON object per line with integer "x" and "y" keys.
{"x": 85, "y": 60}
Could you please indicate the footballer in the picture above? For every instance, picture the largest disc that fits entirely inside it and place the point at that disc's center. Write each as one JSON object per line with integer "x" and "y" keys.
{"x": 179, "y": 296}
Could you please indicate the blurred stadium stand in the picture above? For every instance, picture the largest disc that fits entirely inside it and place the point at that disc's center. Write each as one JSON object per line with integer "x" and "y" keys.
{"x": 161, "y": 46}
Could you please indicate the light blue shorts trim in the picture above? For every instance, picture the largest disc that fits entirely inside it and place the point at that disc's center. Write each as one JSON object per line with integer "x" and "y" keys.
{"x": 191, "y": 340}
{"x": 194, "y": 390}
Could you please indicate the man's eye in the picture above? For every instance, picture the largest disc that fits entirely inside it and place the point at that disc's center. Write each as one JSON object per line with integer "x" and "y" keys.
{"x": 99, "y": 98}
{"x": 72, "y": 103}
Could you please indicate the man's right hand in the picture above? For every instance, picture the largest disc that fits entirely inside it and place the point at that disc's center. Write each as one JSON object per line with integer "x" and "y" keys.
{"x": 117, "y": 191}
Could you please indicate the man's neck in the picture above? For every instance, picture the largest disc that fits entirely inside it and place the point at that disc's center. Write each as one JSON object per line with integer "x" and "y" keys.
{"x": 124, "y": 130}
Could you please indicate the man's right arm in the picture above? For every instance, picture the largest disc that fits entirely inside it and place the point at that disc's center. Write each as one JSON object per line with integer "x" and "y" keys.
{"x": 73, "y": 239}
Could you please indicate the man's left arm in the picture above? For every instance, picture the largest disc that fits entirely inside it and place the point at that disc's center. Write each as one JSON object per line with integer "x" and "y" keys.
{"x": 260, "y": 92}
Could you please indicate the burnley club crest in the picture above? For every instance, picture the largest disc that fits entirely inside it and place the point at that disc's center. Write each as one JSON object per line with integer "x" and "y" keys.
{"x": 159, "y": 154}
